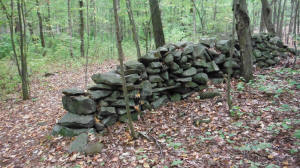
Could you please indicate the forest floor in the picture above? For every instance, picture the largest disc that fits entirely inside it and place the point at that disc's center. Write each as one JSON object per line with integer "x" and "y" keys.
{"x": 261, "y": 135}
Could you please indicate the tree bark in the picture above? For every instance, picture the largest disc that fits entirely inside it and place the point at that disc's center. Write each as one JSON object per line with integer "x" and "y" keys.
{"x": 70, "y": 28}
{"x": 49, "y": 17}
{"x": 81, "y": 29}
{"x": 291, "y": 22}
{"x": 121, "y": 56}
{"x": 133, "y": 27}
{"x": 281, "y": 20}
{"x": 244, "y": 37}
{"x": 195, "y": 24}
{"x": 278, "y": 18}
{"x": 262, "y": 23}
{"x": 295, "y": 32}
{"x": 157, "y": 23}
{"x": 40, "y": 24}
{"x": 267, "y": 16}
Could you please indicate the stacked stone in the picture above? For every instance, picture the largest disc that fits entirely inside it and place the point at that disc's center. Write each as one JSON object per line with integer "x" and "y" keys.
{"x": 170, "y": 73}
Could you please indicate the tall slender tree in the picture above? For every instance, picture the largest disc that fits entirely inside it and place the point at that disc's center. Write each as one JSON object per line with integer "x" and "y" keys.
{"x": 70, "y": 28}
{"x": 40, "y": 23}
{"x": 267, "y": 16}
{"x": 133, "y": 27}
{"x": 81, "y": 28}
{"x": 121, "y": 56}
{"x": 157, "y": 23}
{"x": 244, "y": 36}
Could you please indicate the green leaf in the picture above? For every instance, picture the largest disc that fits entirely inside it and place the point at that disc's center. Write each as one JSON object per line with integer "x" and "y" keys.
{"x": 297, "y": 134}
{"x": 176, "y": 162}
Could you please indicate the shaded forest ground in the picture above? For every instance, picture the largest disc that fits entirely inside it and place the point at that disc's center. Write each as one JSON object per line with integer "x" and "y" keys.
{"x": 262, "y": 136}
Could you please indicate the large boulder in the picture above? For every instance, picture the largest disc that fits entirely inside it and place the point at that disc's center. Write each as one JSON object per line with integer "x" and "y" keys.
{"x": 135, "y": 65}
{"x": 68, "y": 132}
{"x": 79, "y": 144}
{"x": 73, "y": 92}
{"x": 98, "y": 94}
{"x": 106, "y": 111}
{"x": 150, "y": 57}
{"x": 77, "y": 121}
{"x": 223, "y": 46}
{"x": 100, "y": 87}
{"x": 189, "y": 72}
{"x": 79, "y": 104}
{"x": 109, "y": 78}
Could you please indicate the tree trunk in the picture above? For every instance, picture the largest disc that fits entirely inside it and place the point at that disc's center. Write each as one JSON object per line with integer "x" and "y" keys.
{"x": 215, "y": 10}
{"x": 195, "y": 25}
{"x": 274, "y": 13}
{"x": 281, "y": 20}
{"x": 244, "y": 36}
{"x": 262, "y": 23}
{"x": 133, "y": 27}
{"x": 24, "y": 74}
{"x": 157, "y": 23}
{"x": 295, "y": 32}
{"x": 40, "y": 24}
{"x": 278, "y": 18}
{"x": 49, "y": 17}
{"x": 267, "y": 16}
{"x": 291, "y": 22}
{"x": 81, "y": 28}
{"x": 70, "y": 28}
{"x": 121, "y": 56}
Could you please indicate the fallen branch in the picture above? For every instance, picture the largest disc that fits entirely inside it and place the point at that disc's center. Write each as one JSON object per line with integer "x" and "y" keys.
{"x": 151, "y": 138}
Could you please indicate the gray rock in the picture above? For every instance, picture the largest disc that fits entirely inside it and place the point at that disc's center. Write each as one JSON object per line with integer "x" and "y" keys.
{"x": 156, "y": 90}
{"x": 188, "y": 49}
{"x": 186, "y": 66}
{"x": 213, "y": 67}
{"x": 150, "y": 57}
{"x": 79, "y": 104}
{"x": 108, "y": 78}
{"x": 234, "y": 64}
{"x": 191, "y": 85}
{"x": 169, "y": 59}
{"x": 220, "y": 59}
{"x": 109, "y": 121}
{"x": 188, "y": 79}
{"x": 175, "y": 97}
{"x": 152, "y": 71}
{"x": 256, "y": 53}
{"x": 155, "y": 79}
{"x": 270, "y": 62}
{"x": 178, "y": 72}
{"x": 73, "y": 92}
{"x": 122, "y": 111}
{"x": 223, "y": 46}
{"x": 135, "y": 65}
{"x": 98, "y": 94}
{"x": 201, "y": 64}
{"x": 121, "y": 103}
{"x": 165, "y": 75}
{"x": 200, "y": 78}
{"x": 159, "y": 101}
{"x": 133, "y": 78}
{"x": 67, "y": 132}
{"x": 77, "y": 121}
{"x": 100, "y": 87}
{"x": 217, "y": 80}
{"x": 155, "y": 65}
{"x": 183, "y": 60}
{"x": 177, "y": 54}
{"x": 146, "y": 88}
{"x": 79, "y": 144}
{"x": 114, "y": 96}
{"x": 106, "y": 111}
{"x": 189, "y": 72}
{"x": 174, "y": 66}
{"x": 199, "y": 51}
{"x": 99, "y": 126}
{"x": 93, "y": 148}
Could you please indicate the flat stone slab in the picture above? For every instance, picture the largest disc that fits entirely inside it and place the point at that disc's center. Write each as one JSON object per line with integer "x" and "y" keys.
{"x": 79, "y": 104}
{"x": 73, "y": 92}
{"x": 79, "y": 144}
{"x": 108, "y": 78}
{"x": 77, "y": 121}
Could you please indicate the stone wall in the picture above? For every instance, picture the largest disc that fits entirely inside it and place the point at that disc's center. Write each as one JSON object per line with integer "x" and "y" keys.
{"x": 170, "y": 73}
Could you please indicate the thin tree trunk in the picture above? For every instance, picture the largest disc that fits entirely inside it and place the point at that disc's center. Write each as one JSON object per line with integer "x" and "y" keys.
{"x": 215, "y": 10}
{"x": 49, "y": 17}
{"x": 133, "y": 27}
{"x": 70, "y": 28}
{"x": 157, "y": 23}
{"x": 195, "y": 24}
{"x": 262, "y": 23}
{"x": 278, "y": 17}
{"x": 81, "y": 28}
{"x": 40, "y": 24}
{"x": 88, "y": 44}
{"x": 295, "y": 32}
{"x": 244, "y": 36}
{"x": 267, "y": 16}
{"x": 291, "y": 22}
{"x": 274, "y": 12}
{"x": 121, "y": 56}
{"x": 24, "y": 74}
{"x": 281, "y": 20}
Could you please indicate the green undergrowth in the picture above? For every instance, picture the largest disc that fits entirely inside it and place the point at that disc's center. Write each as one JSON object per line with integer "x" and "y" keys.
{"x": 57, "y": 58}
